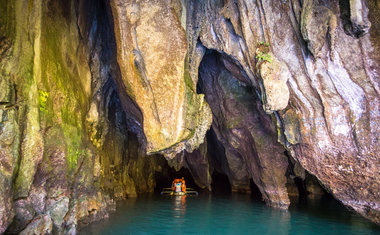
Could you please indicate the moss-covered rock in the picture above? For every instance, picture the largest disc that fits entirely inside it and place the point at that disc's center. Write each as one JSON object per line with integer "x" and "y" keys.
{"x": 55, "y": 170}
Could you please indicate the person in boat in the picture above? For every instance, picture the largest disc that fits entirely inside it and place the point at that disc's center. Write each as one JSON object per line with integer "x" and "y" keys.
{"x": 179, "y": 185}
{"x": 183, "y": 185}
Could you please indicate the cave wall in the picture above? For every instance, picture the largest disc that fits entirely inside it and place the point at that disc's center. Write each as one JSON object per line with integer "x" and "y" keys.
{"x": 69, "y": 148}
{"x": 247, "y": 133}
{"x": 315, "y": 68}
{"x": 316, "y": 75}
{"x": 126, "y": 170}
{"x": 89, "y": 88}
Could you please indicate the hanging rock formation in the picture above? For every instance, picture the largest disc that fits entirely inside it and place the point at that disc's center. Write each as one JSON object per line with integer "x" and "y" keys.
{"x": 153, "y": 59}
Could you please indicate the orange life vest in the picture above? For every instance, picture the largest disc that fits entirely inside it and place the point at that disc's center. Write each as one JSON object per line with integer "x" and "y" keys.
{"x": 183, "y": 185}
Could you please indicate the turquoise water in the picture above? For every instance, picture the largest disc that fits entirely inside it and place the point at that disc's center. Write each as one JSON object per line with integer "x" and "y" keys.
{"x": 236, "y": 214}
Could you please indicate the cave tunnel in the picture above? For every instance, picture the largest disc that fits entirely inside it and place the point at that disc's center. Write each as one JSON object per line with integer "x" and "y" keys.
{"x": 235, "y": 105}
{"x": 224, "y": 178}
{"x": 226, "y": 167}
{"x": 228, "y": 91}
{"x": 236, "y": 108}
{"x": 125, "y": 154}
{"x": 164, "y": 179}
{"x": 72, "y": 122}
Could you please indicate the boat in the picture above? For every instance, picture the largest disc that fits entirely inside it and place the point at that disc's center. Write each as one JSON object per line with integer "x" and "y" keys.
{"x": 171, "y": 192}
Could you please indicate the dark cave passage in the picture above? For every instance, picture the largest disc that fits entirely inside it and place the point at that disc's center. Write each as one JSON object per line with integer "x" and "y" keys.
{"x": 164, "y": 179}
{"x": 125, "y": 152}
{"x": 243, "y": 138}
{"x": 255, "y": 191}
{"x": 220, "y": 184}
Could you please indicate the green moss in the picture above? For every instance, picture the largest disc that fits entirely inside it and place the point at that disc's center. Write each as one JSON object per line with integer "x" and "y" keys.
{"x": 263, "y": 57}
{"x": 65, "y": 98}
{"x": 42, "y": 100}
{"x": 73, "y": 153}
{"x": 75, "y": 147}
{"x": 193, "y": 104}
{"x": 50, "y": 86}
{"x": 59, "y": 73}
{"x": 71, "y": 113}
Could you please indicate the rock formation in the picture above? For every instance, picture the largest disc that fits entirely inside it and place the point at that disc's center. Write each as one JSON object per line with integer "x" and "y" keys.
{"x": 247, "y": 134}
{"x": 68, "y": 148}
{"x": 153, "y": 59}
{"x": 330, "y": 125}
{"x": 94, "y": 95}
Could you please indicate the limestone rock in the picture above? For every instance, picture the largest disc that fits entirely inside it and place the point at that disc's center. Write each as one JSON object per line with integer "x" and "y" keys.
{"x": 152, "y": 55}
{"x": 198, "y": 164}
{"x": 354, "y": 14}
{"x": 332, "y": 90}
{"x": 275, "y": 92}
{"x": 9, "y": 141}
{"x": 40, "y": 225}
{"x": 87, "y": 86}
{"x": 58, "y": 100}
{"x": 247, "y": 134}
{"x": 24, "y": 214}
{"x": 316, "y": 21}
{"x": 58, "y": 209}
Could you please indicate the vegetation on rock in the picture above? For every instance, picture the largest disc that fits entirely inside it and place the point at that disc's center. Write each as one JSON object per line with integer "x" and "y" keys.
{"x": 262, "y": 53}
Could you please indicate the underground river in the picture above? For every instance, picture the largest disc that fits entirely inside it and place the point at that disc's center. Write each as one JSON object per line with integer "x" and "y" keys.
{"x": 228, "y": 214}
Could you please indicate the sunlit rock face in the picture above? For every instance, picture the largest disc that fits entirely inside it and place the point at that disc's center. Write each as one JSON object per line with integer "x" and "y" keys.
{"x": 153, "y": 59}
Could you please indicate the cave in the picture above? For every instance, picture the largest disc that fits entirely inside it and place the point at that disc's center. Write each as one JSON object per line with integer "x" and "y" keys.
{"x": 261, "y": 106}
{"x": 243, "y": 135}
{"x": 164, "y": 180}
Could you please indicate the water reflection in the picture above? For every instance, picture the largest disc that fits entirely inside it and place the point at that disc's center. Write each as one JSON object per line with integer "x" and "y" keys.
{"x": 279, "y": 219}
{"x": 179, "y": 206}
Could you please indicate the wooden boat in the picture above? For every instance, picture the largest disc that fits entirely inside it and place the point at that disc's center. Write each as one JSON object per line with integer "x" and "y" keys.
{"x": 170, "y": 192}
